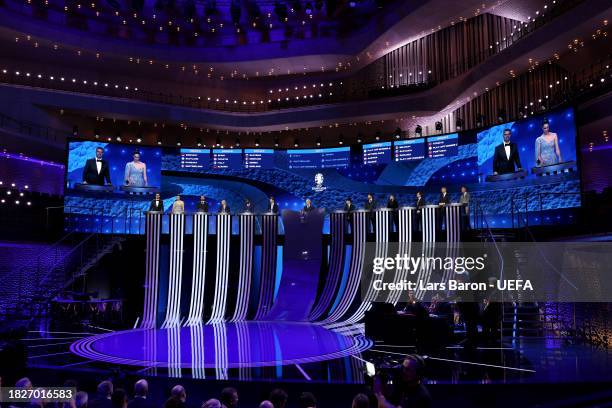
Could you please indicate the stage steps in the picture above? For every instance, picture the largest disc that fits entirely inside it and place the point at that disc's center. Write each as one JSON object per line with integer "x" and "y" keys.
{"x": 39, "y": 282}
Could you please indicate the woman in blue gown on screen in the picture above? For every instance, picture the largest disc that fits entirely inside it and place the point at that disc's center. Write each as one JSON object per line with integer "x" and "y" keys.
{"x": 136, "y": 172}
{"x": 547, "y": 150}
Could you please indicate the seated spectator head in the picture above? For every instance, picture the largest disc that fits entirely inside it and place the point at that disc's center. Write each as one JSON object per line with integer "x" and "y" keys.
{"x": 361, "y": 401}
{"x": 81, "y": 399}
{"x": 141, "y": 388}
{"x": 266, "y": 404}
{"x": 105, "y": 389}
{"x": 212, "y": 403}
{"x": 229, "y": 397}
{"x": 178, "y": 392}
{"x": 173, "y": 402}
{"x": 411, "y": 370}
{"x": 119, "y": 398}
{"x": 278, "y": 398}
{"x": 307, "y": 400}
{"x": 24, "y": 383}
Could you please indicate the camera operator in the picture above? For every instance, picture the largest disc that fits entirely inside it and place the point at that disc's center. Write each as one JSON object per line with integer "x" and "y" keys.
{"x": 407, "y": 389}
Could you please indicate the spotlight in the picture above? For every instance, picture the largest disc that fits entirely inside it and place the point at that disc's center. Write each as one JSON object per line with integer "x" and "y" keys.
{"x": 159, "y": 139}
{"x": 377, "y": 137}
{"x": 359, "y": 137}
{"x": 218, "y": 141}
{"x": 118, "y": 136}
{"x": 501, "y": 115}
{"x": 418, "y": 131}
{"x": 276, "y": 141}
{"x": 257, "y": 142}
{"x": 237, "y": 142}
{"x": 235, "y": 11}
{"x": 318, "y": 141}
{"x": 439, "y": 126}
{"x": 139, "y": 138}
{"x": 296, "y": 143}
{"x": 178, "y": 141}
{"x": 341, "y": 139}
{"x": 75, "y": 131}
{"x": 459, "y": 124}
{"x": 97, "y": 133}
{"x": 199, "y": 141}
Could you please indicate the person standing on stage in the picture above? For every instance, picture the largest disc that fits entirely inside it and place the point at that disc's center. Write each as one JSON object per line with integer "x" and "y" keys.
{"x": 96, "y": 170}
{"x": 308, "y": 207}
{"x": 248, "y": 206}
{"x": 393, "y": 206}
{"x": 443, "y": 201}
{"x": 272, "y": 206}
{"x": 506, "y": 156}
{"x": 465, "y": 213}
{"x": 202, "y": 205}
{"x": 224, "y": 208}
{"x": 420, "y": 203}
{"x": 157, "y": 204}
{"x": 349, "y": 207}
{"x": 178, "y": 207}
{"x": 370, "y": 207}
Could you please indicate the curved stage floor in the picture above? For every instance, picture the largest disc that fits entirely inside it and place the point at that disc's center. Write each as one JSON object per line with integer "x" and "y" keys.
{"x": 223, "y": 345}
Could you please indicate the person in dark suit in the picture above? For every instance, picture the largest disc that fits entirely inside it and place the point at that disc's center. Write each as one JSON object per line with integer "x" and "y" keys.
{"x": 443, "y": 201}
{"x": 419, "y": 204}
{"x": 349, "y": 207}
{"x": 248, "y": 206}
{"x": 394, "y": 216}
{"x": 141, "y": 391}
{"x": 506, "y": 156}
{"x": 202, "y": 205}
{"x": 272, "y": 206}
{"x": 464, "y": 199}
{"x": 96, "y": 170}
{"x": 224, "y": 208}
{"x": 308, "y": 207}
{"x": 103, "y": 396}
{"x": 370, "y": 207}
{"x": 157, "y": 204}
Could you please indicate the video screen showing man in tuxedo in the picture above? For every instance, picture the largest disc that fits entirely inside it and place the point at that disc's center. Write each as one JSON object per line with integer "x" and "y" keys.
{"x": 96, "y": 170}
{"x": 506, "y": 156}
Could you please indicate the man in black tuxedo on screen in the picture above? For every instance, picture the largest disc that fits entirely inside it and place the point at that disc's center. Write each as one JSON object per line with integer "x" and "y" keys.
{"x": 96, "y": 170}
{"x": 157, "y": 204}
{"x": 506, "y": 156}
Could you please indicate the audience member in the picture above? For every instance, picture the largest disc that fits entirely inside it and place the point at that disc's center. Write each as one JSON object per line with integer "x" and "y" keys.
{"x": 103, "y": 396}
{"x": 278, "y": 398}
{"x": 178, "y": 392}
{"x": 80, "y": 400}
{"x": 119, "y": 399}
{"x": 141, "y": 390}
{"x": 361, "y": 401}
{"x": 307, "y": 400}
{"x": 266, "y": 404}
{"x": 229, "y": 397}
{"x": 212, "y": 403}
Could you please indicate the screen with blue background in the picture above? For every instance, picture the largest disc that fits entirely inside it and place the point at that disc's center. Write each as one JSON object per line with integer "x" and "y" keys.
{"x": 466, "y": 160}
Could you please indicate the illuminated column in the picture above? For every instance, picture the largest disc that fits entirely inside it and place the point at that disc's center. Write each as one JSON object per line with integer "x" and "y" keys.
{"x": 247, "y": 232}
{"x": 153, "y": 226}
{"x": 382, "y": 224}
{"x": 269, "y": 226}
{"x": 173, "y": 309}
{"x": 429, "y": 219}
{"x": 453, "y": 222}
{"x": 200, "y": 248}
{"x": 406, "y": 215}
{"x": 337, "y": 222}
{"x": 224, "y": 234}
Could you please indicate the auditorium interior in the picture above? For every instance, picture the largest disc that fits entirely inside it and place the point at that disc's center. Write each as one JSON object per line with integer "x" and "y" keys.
{"x": 305, "y": 203}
